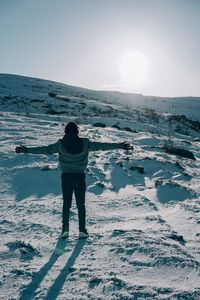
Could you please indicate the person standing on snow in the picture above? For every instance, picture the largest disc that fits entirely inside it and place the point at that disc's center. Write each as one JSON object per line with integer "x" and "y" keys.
{"x": 73, "y": 154}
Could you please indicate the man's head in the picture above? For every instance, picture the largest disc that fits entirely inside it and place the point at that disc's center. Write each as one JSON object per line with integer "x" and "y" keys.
{"x": 71, "y": 128}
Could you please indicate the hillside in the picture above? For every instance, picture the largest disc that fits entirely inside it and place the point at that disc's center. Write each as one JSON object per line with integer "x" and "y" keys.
{"x": 142, "y": 206}
{"x": 31, "y": 95}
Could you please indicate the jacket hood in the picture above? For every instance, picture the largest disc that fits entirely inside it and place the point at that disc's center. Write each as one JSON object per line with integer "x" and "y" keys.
{"x": 72, "y": 143}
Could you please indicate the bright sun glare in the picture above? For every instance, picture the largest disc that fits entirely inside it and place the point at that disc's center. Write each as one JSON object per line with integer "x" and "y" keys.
{"x": 134, "y": 69}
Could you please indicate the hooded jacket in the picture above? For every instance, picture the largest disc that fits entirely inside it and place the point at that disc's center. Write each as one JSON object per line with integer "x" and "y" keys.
{"x": 73, "y": 152}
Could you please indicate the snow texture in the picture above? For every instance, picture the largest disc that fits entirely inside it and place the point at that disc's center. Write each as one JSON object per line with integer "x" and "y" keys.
{"x": 142, "y": 207}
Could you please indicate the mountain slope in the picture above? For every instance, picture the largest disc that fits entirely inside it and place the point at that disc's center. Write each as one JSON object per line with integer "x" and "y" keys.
{"x": 16, "y": 87}
{"x": 142, "y": 207}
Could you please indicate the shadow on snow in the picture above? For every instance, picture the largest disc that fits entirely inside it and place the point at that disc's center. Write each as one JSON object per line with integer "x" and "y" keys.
{"x": 54, "y": 290}
{"x": 34, "y": 182}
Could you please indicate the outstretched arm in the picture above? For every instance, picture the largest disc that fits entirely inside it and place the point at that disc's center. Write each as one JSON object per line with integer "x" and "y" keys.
{"x": 96, "y": 146}
{"x": 50, "y": 149}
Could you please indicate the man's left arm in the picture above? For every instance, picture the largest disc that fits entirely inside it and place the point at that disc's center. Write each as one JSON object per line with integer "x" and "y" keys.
{"x": 96, "y": 146}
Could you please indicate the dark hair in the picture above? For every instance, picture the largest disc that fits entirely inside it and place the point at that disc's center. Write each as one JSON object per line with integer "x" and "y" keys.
{"x": 71, "y": 128}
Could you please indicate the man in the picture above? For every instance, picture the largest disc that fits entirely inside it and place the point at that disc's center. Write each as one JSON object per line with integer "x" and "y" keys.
{"x": 73, "y": 159}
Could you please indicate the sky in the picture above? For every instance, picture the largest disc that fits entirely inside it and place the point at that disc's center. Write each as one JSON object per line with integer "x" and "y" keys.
{"x": 141, "y": 46}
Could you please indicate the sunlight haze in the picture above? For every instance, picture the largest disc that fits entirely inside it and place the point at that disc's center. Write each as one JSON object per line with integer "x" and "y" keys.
{"x": 89, "y": 43}
{"x": 134, "y": 69}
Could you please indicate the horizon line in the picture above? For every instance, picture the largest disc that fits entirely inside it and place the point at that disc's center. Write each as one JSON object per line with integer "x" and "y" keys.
{"x": 100, "y": 90}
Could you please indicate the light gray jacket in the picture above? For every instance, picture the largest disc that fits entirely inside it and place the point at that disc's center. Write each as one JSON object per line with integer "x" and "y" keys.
{"x": 73, "y": 163}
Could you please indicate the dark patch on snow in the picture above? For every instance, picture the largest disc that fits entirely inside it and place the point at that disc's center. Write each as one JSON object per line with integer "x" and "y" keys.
{"x": 118, "y": 232}
{"x": 129, "y": 129}
{"x": 171, "y": 191}
{"x": 98, "y": 124}
{"x": 21, "y": 272}
{"x": 116, "y": 126}
{"x": 52, "y": 95}
{"x": 180, "y": 152}
{"x": 178, "y": 238}
{"x": 140, "y": 169}
{"x": 94, "y": 282}
{"x": 27, "y": 251}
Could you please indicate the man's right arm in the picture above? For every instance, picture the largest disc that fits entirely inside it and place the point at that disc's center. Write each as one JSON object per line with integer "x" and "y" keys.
{"x": 46, "y": 150}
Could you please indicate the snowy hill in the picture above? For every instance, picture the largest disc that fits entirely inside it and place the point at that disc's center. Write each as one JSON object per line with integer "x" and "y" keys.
{"x": 31, "y": 95}
{"x": 22, "y": 88}
{"x": 142, "y": 206}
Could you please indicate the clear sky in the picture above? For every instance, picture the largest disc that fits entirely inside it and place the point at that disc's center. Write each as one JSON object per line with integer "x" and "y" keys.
{"x": 144, "y": 46}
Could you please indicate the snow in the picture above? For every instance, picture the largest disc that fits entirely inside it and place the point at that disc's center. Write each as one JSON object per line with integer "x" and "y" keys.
{"x": 144, "y": 227}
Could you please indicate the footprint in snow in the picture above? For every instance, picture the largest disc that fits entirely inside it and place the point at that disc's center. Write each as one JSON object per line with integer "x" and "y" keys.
{"x": 26, "y": 250}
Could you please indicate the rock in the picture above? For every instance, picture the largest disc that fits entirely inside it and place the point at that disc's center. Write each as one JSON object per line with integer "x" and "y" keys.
{"x": 116, "y": 126}
{"x": 179, "y": 165}
{"x": 100, "y": 184}
{"x": 45, "y": 168}
{"x": 98, "y": 124}
{"x": 119, "y": 163}
{"x": 129, "y": 129}
{"x": 178, "y": 238}
{"x": 180, "y": 152}
{"x": 94, "y": 282}
{"x": 64, "y": 98}
{"x": 52, "y": 95}
{"x": 117, "y": 232}
{"x": 158, "y": 182}
{"x": 186, "y": 142}
{"x": 140, "y": 169}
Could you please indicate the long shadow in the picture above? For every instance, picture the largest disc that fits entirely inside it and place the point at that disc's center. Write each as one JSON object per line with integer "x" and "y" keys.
{"x": 60, "y": 280}
{"x": 38, "y": 277}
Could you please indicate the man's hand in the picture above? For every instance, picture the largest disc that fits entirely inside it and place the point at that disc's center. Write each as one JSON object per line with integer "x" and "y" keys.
{"x": 127, "y": 146}
{"x": 21, "y": 149}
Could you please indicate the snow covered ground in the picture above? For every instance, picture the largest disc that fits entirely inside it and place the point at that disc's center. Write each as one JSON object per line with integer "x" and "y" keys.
{"x": 142, "y": 207}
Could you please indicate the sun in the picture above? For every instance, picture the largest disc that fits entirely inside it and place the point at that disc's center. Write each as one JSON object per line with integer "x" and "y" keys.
{"x": 133, "y": 69}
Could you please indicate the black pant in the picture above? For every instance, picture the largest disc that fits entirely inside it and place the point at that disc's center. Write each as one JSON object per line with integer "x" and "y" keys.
{"x": 73, "y": 182}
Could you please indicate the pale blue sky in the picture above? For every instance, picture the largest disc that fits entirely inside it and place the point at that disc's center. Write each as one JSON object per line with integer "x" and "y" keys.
{"x": 81, "y": 42}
